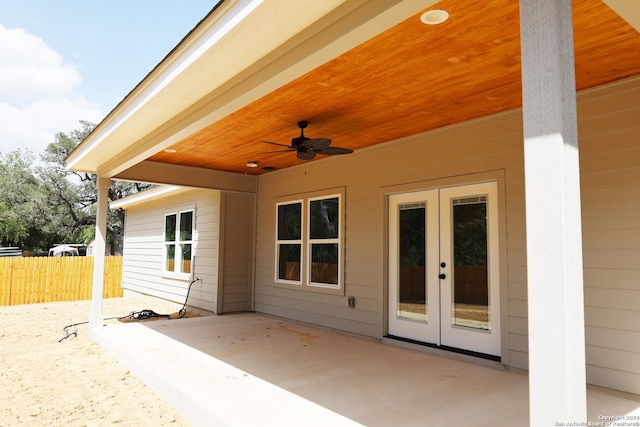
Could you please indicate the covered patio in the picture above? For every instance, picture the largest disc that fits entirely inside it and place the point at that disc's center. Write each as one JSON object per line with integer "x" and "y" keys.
{"x": 495, "y": 95}
{"x": 254, "y": 369}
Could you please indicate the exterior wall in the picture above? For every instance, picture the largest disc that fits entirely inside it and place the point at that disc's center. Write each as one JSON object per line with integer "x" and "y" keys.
{"x": 426, "y": 161}
{"x": 609, "y": 130}
{"x": 143, "y": 249}
{"x": 237, "y": 241}
{"x": 610, "y": 162}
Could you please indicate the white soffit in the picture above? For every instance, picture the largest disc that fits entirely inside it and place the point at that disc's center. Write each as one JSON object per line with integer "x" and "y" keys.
{"x": 629, "y": 10}
{"x": 225, "y": 45}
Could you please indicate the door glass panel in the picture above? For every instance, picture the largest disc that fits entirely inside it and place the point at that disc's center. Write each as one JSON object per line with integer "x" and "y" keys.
{"x": 470, "y": 285}
{"x": 412, "y": 290}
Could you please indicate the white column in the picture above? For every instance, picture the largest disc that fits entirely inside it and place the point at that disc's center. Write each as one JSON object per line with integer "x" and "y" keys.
{"x": 96, "y": 319}
{"x": 557, "y": 390}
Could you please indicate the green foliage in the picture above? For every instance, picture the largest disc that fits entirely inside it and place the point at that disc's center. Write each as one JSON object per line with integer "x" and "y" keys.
{"x": 18, "y": 194}
{"x": 69, "y": 195}
{"x": 47, "y": 204}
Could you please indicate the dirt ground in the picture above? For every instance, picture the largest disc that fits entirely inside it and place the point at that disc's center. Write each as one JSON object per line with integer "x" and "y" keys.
{"x": 45, "y": 382}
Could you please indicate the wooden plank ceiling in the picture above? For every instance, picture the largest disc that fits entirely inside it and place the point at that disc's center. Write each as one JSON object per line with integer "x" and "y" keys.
{"x": 410, "y": 79}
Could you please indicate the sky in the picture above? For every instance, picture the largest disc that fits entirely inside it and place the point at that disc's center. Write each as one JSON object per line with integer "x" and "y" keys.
{"x": 69, "y": 60}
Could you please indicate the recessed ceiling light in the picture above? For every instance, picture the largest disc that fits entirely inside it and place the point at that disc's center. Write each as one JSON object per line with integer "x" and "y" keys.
{"x": 169, "y": 150}
{"x": 252, "y": 164}
{"x": 434, "y": 17}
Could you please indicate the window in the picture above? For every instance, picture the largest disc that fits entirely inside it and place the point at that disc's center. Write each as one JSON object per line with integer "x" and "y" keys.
{"x": 178, "y": 242}
{"x": 324, "y": 243}
{"x": 309, "y": 242}
{"x": 289, "y": 242}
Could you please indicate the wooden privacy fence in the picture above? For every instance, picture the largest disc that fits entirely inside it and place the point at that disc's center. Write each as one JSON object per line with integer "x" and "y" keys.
{"x": 50, "y": 279}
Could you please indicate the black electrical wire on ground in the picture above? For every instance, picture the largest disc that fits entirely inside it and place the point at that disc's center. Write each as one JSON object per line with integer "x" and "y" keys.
{"x": 183, "y": 310}
{"x": 134, "y": 315}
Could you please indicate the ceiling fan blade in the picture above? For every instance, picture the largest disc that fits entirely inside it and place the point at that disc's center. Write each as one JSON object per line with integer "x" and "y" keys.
{"x": 316, "y": 144}
{"x": 278, "y": 144}
{"x": 330, "y": 151}
{"x": 306, "y": 155}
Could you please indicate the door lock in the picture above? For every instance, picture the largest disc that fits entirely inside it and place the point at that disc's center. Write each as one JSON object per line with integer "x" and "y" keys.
{"x": 442, "y": 276}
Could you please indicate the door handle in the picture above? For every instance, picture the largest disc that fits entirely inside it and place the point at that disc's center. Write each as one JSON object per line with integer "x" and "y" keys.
{"x": 442, "y": 276}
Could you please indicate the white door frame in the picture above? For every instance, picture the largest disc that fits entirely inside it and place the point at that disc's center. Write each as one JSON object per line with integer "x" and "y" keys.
{"x": 419, "y": 330}
{"x": 438, "y": 329}
{"x": 487, "y": 342}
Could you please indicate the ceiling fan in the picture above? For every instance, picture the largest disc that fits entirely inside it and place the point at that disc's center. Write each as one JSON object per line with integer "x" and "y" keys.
{"x": 307, "y": 148}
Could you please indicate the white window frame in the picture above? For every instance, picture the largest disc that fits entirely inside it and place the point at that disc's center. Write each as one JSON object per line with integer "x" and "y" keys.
{"x": 306, "y": 242}
{"x": 177, "y": 242}
{"x": 290, "y": 242}
{"x": 338, "y": 240}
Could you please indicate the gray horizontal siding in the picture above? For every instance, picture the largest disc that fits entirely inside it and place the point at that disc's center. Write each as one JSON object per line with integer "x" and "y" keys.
{"x": 237, "y": 252}
{"x": 143, "y": 249}
{"x": 609, "y": 125}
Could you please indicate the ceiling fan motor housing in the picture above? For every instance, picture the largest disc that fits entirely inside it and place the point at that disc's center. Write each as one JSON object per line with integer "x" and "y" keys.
{"x": 297, "y": 142}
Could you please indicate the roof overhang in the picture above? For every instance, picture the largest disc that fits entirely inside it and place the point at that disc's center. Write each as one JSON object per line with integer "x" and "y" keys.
{"x": 363, "y": 72}
{"x": 242, "y": 51}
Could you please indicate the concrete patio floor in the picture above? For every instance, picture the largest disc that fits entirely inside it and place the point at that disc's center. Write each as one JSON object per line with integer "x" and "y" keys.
{"x": 252, "y": 369}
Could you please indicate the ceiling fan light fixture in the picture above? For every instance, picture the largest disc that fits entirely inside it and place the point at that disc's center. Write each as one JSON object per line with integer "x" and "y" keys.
{"x": 434, "y": 17}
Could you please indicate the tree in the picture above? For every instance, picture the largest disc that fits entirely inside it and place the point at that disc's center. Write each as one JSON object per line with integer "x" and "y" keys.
{"x": 19, "y": 191}
{"x": 73, "y": 195}
{"x": 47, "y": 204}
{"x": 70, "y": 196}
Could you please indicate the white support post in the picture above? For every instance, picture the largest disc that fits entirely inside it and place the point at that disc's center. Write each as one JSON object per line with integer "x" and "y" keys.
{"x": 96, "y": 318}
{"x": 557, "y": 389}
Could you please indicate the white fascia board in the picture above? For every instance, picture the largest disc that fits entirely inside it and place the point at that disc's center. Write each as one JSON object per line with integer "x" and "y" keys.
{"x": 151, "y": 194}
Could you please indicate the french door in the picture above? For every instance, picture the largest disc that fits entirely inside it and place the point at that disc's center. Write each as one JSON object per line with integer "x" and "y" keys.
{"x": 443, "y": 267}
